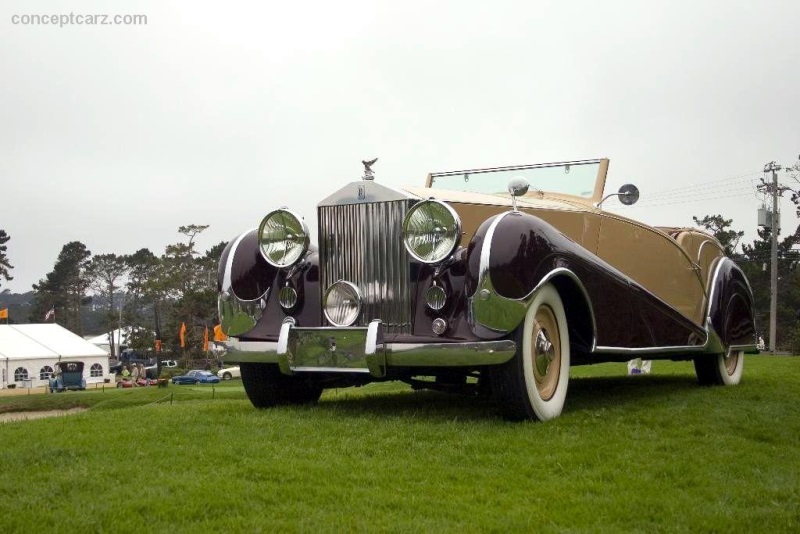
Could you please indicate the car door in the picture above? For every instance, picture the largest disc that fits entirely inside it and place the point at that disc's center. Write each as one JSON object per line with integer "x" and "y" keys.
{"x": 654, "y": 260}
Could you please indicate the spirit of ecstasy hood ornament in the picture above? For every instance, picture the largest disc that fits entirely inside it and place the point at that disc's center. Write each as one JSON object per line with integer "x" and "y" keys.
{"x": 368, "y": 174}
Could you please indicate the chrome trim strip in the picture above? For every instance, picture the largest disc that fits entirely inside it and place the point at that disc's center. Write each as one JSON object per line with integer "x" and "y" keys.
{"x": 702, "y": 245}
{"x": 711, "y": 344}
{"x": 746, "y": 348}
{"x": 328, "y": 370}
{"x": 226, "y": 278}
{"x": 649, "y": 350}
{"x": 487, "y": 245}
{"x": 566, "y": 272}
{"x": 720, "y": 261}
{"x": 713, "y": 285}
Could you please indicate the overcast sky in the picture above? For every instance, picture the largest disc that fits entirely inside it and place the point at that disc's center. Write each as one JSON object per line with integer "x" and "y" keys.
{"x": 214, "y": 113}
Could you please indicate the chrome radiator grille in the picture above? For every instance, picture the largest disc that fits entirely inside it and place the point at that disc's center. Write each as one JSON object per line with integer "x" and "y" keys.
{"x": 362, "y": 243}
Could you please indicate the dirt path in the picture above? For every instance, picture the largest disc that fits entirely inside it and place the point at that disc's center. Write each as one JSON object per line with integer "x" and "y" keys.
{"x": 25, "y": 416}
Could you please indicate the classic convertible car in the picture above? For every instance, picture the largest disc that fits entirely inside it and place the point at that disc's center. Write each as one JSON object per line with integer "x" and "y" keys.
{"x": 68, "y": 376}
{"x": 491, "y": 280}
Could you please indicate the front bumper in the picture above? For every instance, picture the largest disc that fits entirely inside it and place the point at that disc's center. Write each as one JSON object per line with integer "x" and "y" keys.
{"x": 361, "y": 350}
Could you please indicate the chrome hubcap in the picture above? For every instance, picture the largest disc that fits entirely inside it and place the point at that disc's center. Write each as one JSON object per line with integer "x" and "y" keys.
{"x": 546, "y": 352}
{"x": 731, "y": 360}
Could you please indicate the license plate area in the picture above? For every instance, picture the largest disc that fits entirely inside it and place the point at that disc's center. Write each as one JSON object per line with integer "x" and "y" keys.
{"x": 332, "y": 349}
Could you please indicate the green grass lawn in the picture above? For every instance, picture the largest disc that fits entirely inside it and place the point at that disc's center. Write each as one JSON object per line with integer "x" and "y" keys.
{"x": 646, "y": 453}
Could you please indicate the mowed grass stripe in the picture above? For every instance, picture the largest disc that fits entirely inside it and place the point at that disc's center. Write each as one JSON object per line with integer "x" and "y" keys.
{"x": 650, "y": 453}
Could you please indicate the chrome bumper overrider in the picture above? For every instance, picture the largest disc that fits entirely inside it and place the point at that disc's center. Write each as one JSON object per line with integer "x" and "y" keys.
{"x": 361, "y": 350}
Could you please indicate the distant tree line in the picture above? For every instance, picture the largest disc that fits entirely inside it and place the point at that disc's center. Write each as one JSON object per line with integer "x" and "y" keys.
{"x": 152, "y": 295}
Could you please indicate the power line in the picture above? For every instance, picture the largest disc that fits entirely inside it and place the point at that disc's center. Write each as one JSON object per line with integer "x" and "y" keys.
{"x": 729, "y": 187}
{"x": 689, "y": 200}
{"x": 698, "y": 184}
{"x": 702, "y": 192}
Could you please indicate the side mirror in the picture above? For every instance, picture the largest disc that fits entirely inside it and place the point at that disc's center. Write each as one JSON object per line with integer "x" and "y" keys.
{"x": 517, "y": 187}
{"x": 628, "y": 194}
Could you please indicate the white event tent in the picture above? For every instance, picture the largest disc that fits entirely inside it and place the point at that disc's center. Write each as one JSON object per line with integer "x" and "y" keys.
{"x": 103, "y": 341}
{"x": 29, "y": 352}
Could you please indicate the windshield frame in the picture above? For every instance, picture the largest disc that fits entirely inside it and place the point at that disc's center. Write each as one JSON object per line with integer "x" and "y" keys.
{"x": 597, "y": 195}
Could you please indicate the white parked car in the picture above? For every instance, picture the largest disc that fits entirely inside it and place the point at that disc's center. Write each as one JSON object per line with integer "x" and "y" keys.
{"x": 227, "y": 373}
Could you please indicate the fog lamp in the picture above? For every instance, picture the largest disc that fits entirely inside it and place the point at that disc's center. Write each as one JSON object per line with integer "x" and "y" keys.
{"x": 287, "y": 297}
{"x": 342, "y": 303}
{"x": 435, "y": 298}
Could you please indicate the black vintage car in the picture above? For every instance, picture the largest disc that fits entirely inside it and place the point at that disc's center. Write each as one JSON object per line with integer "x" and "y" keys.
{"x": 492, "y": 280}
{"x": 68, "y": 376}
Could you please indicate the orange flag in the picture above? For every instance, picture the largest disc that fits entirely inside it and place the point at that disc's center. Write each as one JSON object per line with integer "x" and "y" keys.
{"x": 182, "y": 335}
{"x": 158, "y": 345}
{"x": 205, "y": 340}
{"x": 4, "y": 313}
{"x": 219, "y": 335}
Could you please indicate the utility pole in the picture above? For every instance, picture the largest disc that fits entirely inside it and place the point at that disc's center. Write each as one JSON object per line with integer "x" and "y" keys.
{"x": 774, "y": 230}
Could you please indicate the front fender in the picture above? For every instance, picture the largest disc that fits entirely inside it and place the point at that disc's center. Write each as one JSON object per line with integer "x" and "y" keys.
{"x": 510, "y": 256}
{"x": 248, "y": 290}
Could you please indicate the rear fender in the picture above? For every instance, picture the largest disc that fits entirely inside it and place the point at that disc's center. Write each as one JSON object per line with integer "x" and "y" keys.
{"x": 730, "y": 306}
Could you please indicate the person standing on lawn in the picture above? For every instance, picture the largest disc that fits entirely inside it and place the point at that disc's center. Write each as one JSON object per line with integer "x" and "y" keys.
{"x": 134, "y": 374}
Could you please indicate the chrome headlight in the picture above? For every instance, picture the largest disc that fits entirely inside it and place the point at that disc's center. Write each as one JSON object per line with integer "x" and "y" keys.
{"x": 283, "y": 238}
{"x": 431, "y": 231}
{"x": 342, "y": 303}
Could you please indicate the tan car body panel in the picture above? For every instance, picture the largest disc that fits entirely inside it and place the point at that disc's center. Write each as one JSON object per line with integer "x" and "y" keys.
{"x": 678, "y": 275}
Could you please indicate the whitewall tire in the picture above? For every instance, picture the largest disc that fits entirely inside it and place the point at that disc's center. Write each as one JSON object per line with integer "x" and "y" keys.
{"x": 721, "y": 369}
{"x": 533, "y": 385}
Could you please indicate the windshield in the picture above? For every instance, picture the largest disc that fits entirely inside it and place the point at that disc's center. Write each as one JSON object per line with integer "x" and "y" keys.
{"x": 576, "y": 178}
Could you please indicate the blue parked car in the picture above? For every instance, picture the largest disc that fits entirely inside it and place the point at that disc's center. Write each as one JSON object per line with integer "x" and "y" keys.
{"x": 196, "y": 376}
{"x": 69, "y": 375}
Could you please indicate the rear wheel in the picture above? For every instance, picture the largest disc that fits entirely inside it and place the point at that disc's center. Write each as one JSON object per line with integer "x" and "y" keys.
{"x": 266, "y": 386}
{"x": 533, "y": 385}
{"x": 226, "y": 376}
{"x": 720, "y": 369}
